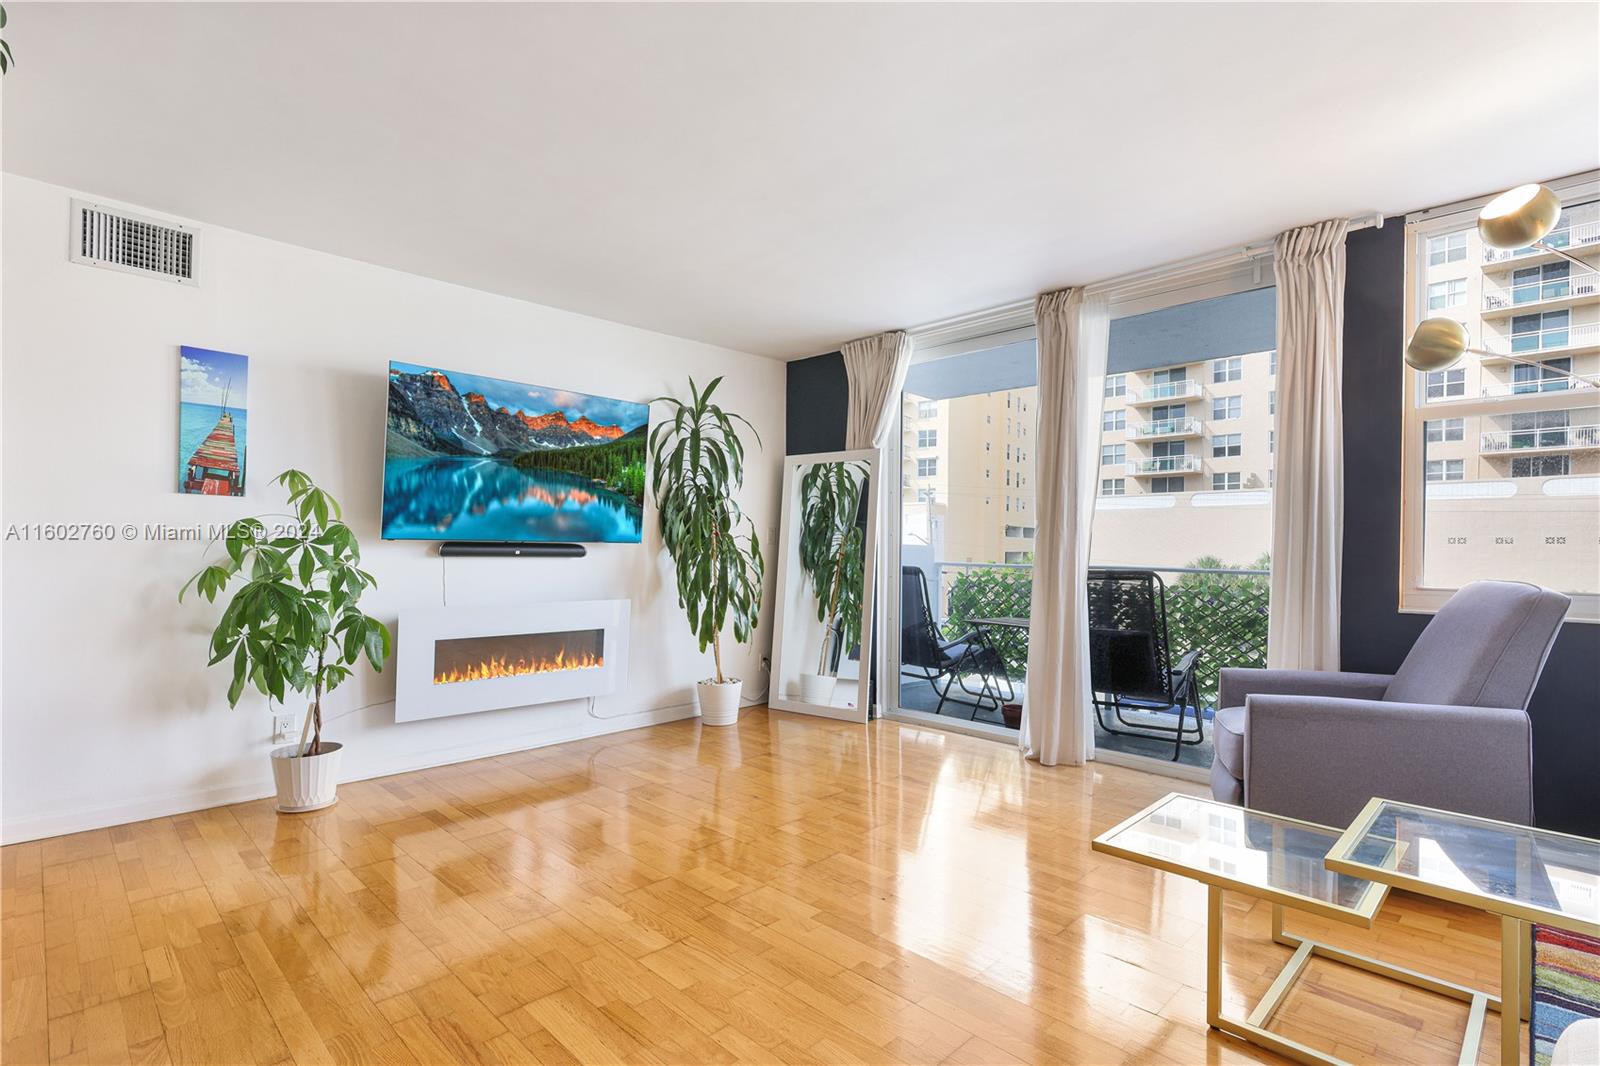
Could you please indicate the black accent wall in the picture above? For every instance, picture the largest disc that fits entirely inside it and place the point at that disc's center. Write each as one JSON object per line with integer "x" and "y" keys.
{"x": 1374, "y": 635}
{"x": 818, "y": 400}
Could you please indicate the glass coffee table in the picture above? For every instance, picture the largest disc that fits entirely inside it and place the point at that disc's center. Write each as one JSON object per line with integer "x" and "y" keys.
{"x": 1522, "y": 875}
{"x": 1280, "y": 860}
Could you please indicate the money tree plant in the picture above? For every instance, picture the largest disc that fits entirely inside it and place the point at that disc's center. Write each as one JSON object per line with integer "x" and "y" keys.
{"x": 294, "y": 621}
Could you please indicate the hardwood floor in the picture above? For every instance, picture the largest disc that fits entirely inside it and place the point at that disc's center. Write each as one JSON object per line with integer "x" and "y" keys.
{"x": 792, "y": 890}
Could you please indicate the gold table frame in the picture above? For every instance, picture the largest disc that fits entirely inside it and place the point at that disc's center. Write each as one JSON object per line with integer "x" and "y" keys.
{"x": 1516, "y": 918}
{"x": 1253, "y": 1029}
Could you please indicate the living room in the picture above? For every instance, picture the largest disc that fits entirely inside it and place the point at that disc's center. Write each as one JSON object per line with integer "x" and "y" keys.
{"x": 460, "y": 608}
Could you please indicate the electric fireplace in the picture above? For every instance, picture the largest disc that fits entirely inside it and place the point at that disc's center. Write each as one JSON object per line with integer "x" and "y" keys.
{"x": 460, "y": 660}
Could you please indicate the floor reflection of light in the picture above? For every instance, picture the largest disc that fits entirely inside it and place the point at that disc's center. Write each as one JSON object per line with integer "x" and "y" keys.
{"x": 964, "y": 888}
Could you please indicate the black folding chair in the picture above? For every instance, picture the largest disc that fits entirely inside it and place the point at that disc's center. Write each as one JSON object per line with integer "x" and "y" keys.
{"x": 934, "y": 659}
{"x": 1130, "y": 659}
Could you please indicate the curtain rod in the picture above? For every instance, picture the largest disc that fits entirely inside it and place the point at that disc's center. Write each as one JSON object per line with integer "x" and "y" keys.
{"x": 1005, "y": 314}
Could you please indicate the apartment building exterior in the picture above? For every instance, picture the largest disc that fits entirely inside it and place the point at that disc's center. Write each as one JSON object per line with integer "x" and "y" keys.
{"x": 1193, "y": 440}
{"x": 1511, "y": 451}
{"x": 967, "y": 475}
{"x": 1531, "y": 304}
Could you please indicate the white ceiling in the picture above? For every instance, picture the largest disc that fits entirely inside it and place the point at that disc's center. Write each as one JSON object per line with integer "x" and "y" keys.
{"x": 779, "y": 179}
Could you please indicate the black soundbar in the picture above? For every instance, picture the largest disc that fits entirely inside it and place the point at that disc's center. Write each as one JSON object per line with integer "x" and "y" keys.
{"x": 485, "y": 549}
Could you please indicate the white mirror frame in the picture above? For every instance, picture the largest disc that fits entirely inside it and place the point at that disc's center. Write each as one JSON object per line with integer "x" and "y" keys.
{"x": 788, "y": 550}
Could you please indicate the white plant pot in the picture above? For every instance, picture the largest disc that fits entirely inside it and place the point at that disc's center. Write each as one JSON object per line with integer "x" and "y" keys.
{"x": 306, "y": 782}
{"x": 817, "y": 688}
{"x": 719, "y": 703}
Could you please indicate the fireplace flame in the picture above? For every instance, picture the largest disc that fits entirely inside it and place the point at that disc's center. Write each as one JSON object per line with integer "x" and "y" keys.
{"x": 503, "y": 666}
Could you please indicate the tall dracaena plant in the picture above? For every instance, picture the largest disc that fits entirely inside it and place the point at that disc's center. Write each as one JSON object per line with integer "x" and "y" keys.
{"x": 830, "y": 548}
{"x": 697, "y": 466}
{"x": 296, "y": 622}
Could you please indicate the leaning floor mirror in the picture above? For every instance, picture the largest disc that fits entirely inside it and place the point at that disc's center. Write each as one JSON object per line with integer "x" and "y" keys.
{"x": 824, "y": 606}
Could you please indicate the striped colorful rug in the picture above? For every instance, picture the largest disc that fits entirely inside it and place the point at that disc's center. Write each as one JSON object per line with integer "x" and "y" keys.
{"x": 1566, "y": 987}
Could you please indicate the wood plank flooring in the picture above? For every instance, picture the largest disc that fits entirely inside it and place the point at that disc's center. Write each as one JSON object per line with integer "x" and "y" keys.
{"x": 791, "y": 890}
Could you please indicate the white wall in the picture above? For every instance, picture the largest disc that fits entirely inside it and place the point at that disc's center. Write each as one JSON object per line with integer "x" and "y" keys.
{"x": 109, "y": 713}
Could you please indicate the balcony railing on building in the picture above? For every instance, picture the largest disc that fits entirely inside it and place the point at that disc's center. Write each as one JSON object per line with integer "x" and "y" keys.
{"x": 1164, "y": 464}
{"x": 1221, "y": 611}
{"x": 1165, "y": 392}
{"x": 1575, "y": 238}
{"x": 1553, "y": 439}
{"x": 1556, "y": 339}
{"x": 1167, "y": 427}
{"x": 1537, "y": 291}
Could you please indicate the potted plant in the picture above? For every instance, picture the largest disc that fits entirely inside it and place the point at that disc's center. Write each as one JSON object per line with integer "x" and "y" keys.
{"x": 830, "y": 556}
{"x": 295, "y": 623}
{"x": 697, "y": 467}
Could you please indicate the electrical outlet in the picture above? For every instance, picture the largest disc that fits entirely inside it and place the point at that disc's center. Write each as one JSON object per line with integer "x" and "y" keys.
{"x": 283, "y": 728}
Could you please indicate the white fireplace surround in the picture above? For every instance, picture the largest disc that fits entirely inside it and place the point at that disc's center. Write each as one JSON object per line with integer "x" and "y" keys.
{"x": 418, "y": 697}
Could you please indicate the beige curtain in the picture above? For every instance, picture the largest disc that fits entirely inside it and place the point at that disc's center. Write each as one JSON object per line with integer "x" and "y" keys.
{"x": 876, "y": 369}
{"x": 1073, "y": 334}
{"x": 1308, "y": 494}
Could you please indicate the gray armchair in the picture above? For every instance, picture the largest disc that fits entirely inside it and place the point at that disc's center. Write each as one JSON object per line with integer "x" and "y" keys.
{"x": 1450, "y": 729}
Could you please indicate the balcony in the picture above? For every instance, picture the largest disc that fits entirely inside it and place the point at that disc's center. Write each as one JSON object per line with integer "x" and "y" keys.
{"x": 1540, "y": 441}
{"x": 1528, "y": 388}
{"x": 1164, "y": 464}
{"x": 1549, "y": 294}
{"x": 1537, "y": 344}
{"x": 1221, "y": 611}
{"x": 1577, "y": 239}
{"x": 1167, "y": 429}
{"x": 1165, "y": 392}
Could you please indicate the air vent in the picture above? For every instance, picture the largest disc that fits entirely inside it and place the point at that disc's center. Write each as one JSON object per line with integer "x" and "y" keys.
{"x": 121, "y": 240}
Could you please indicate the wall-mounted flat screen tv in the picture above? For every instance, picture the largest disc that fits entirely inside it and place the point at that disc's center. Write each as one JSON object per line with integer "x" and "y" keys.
{"x": 468, "y": 457}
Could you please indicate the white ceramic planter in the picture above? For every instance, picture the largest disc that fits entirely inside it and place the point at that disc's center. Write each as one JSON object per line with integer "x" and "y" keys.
{"x": 719, "y": 704}
{"x": 817, "y": 688}
{"x": 306, "y": 782}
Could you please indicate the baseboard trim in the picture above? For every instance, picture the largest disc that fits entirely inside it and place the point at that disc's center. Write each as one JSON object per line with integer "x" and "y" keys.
{"x": 39, "y": 827}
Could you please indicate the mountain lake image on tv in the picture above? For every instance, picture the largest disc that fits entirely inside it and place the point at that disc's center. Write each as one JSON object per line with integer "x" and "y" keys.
{"x": 474, "y": 458}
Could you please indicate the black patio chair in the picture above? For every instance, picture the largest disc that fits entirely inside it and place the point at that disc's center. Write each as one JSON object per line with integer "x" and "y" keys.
{"x": 1130, "y": 658}
{"x": 933, "y": 659}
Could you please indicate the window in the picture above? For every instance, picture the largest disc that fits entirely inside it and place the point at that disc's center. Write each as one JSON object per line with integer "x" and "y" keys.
{"x": 1541, "y": 466}
{"x": 928, "y": 467}
{"x": 1229, "y": 369}
{"x": 1450, "y": 248}
{"x": 1443, "y": 294}
{"x": 1548, "y": 282}
{"x": 1439, "y": 430}
{"x": 1226, "y": 407}
{"x": 925, "y": 496}
{"x": 1166, "y": 411}
{"x": 1166, "y": 449}
{"x": 1443, "y": 384}
{"x": 1272, "y": 442}
{"x": 1166, "y": 484}
{"x": 1272, "y": 363}
{"x": 1480, "y": 495}
{"x": 1538, "y": 332}
{"x": 1171, "y": 374}
{"x": 927, "y": 409}
{"x": 1445, "y": 470}
{"x": 1226, "y": 444}
{"x": 1015, "y": 557}
{"x": 1549, "y": 376}
{"x": 1113, "y": 454}
{"x": 927, "y": 438}
{"x": 1117, "y": 419}
{"x": 1116, "y": 384}
{"x": 1272, "y": 402}
{"x": 1228, "y": 482}
{"x": 1113, "y": 486}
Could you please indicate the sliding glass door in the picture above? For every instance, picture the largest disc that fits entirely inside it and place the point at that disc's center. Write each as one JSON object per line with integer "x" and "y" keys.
{"x": 1186, "y": 445}
{"x": 966, "y": 533}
